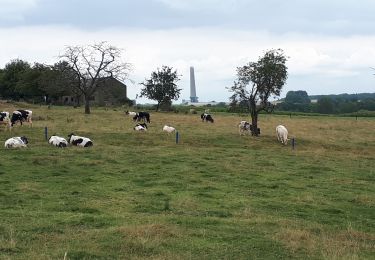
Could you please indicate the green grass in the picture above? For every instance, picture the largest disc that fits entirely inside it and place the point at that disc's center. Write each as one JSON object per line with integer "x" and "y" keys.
{"x": 215, "y": 195}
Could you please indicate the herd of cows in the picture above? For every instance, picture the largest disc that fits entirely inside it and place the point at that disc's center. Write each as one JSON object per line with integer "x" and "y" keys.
{"x": 22, "y": 116}
{"x": 244, "y": 126}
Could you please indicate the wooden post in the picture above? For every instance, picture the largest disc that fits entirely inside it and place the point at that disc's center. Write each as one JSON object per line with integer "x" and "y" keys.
{"x": 177, "y": 137}
{"x": 46, "y": 133}
{"x": 293, "y": 143}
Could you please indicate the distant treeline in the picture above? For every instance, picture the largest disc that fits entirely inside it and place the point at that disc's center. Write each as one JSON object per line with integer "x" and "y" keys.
{"x": 299, "y": 101}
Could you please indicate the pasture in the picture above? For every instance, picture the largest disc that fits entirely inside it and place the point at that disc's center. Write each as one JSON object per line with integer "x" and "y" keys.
{"x": 215, "y": 195}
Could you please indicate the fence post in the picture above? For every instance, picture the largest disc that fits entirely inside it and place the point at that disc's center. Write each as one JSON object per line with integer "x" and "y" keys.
{"x": 177, "y": 137}
{"x": 45, "y": 133}
{"x": 293, "y": 143}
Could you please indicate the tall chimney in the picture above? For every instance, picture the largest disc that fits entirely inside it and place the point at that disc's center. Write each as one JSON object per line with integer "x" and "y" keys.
{"x": 193, "y": 94}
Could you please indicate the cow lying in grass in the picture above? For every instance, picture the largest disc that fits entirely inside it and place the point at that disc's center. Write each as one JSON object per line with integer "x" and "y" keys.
{"x": 21, "y": 116}
{"x": 244, "y": 127}
{"x": 58, "y": 141}
{"x": 140, "y": 127}
{"x": 130, "y": 113}
{"x": 207, "y": 117}
{"x": 169, "y": 129}
{"x": 79, "y": 140}
{"x": 282, "y": 134}
{"x": 5, "y": 119}
{"x": 16, "y": 142}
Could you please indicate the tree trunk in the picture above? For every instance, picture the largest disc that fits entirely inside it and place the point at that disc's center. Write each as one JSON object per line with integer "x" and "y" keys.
{"x": 254, "y": 124}
{"x": 254, "y": 118}
{"x": 87, "y": 105}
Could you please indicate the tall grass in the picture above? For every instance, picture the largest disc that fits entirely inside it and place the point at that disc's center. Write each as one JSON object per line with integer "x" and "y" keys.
{"x": 214, "y": 195}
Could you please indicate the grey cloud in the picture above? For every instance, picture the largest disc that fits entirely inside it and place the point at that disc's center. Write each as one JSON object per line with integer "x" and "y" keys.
{"x": 304, "y": 16}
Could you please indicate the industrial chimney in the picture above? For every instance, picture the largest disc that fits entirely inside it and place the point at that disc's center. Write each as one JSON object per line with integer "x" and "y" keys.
{"x": 193, "y": 93}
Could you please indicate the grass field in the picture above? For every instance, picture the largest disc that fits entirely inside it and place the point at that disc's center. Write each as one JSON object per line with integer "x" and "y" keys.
{"x": 215, "y": 195}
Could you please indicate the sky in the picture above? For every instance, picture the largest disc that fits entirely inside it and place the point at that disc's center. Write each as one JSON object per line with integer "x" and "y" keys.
{"x": 330, "y": 44}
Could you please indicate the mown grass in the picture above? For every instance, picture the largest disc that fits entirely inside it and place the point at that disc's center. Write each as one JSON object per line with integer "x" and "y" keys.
{"x": 215, "y": 195}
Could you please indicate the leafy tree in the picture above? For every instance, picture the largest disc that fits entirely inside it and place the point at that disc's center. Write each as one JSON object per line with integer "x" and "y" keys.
{"x": 325, "y": 105}
{"x": 257, "y": 81}
{"x": 162, "y": 86}
{"x": 93, "y": 64}
{"x": 297, "y": 97}
{"x": 11, "y": 76}
{"x": 59, "y": 80}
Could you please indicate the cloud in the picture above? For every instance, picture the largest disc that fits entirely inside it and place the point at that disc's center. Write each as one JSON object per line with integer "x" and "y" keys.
{"x": 316, "y": 63}
{"x": 12, "y": 10}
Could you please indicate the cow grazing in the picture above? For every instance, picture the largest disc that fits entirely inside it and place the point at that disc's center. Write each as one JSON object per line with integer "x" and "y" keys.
{"x": 5, "y": 119}
{"x": 282, "y": 134}
{"x": 145, "y": 116}
{"x": 130, "y": 113}
{"x": 58, "y": 141}
{"x": 244, "y": 127}
{"x": 207, "y": 118}
{"x": 169, "y": 129}
{"x": 140, "y": 127}
{"x": 16, "y": 142}
{"x": 79, "y": 140}
{"x": 21, "y": 116}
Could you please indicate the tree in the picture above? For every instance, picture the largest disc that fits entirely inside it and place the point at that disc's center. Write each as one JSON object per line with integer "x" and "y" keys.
{"x": 162, "y": 86}
{"x": 11, "y": 76}
{"x": 93, "y": 65}
{"x": 59, "y": 80}
{"x": 297, "y": 97}
{"x": 257, "y": 81}
{"x": 325, "y": 105}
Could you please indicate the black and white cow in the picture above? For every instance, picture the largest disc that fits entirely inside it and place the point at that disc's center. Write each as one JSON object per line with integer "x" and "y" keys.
{"x": 145, "y": 116}
{"x": 21, "y": 116}
{"x": 16, "y": 142}
{"x": 79, "y": 140}
{"x": 5, "y": 119}
{"x": 58, "y": 141}
{"x": 244, "y": 127}
{"x": 140, "y": 127}
{"x": 207, "y": 117}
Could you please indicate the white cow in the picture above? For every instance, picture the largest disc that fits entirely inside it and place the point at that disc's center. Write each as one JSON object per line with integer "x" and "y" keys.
{"x": 169, "y": 129}
{"x": 58, "y": 141}
{"x": 282, "y": 134}
{"x": 244, "y": 127}
{"x": 16, "y": 142}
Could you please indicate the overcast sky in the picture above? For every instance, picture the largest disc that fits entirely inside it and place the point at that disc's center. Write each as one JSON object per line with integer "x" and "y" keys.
{"x": 330, "y": 43}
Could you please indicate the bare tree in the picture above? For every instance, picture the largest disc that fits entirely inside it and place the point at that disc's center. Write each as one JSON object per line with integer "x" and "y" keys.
{"x": 93, "y": 65}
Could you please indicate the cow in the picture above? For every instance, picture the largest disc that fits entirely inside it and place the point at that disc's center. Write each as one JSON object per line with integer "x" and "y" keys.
{"x": 282, "y": 134}
{"x": 130, "y": 113}
{"x": 21, "y": 116}
{"x": 140, "y": 127}
{"x": 207, "y": 117}
{"x": 145, "y": 116}
{"x": 58, "y": 141}
{"x": 169, "y": 129}
{"x": 5, "y": 119}
{"x": 244, "y": 127}
{"x": 16, "y": 142}
{"x": 79, "y": 140}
